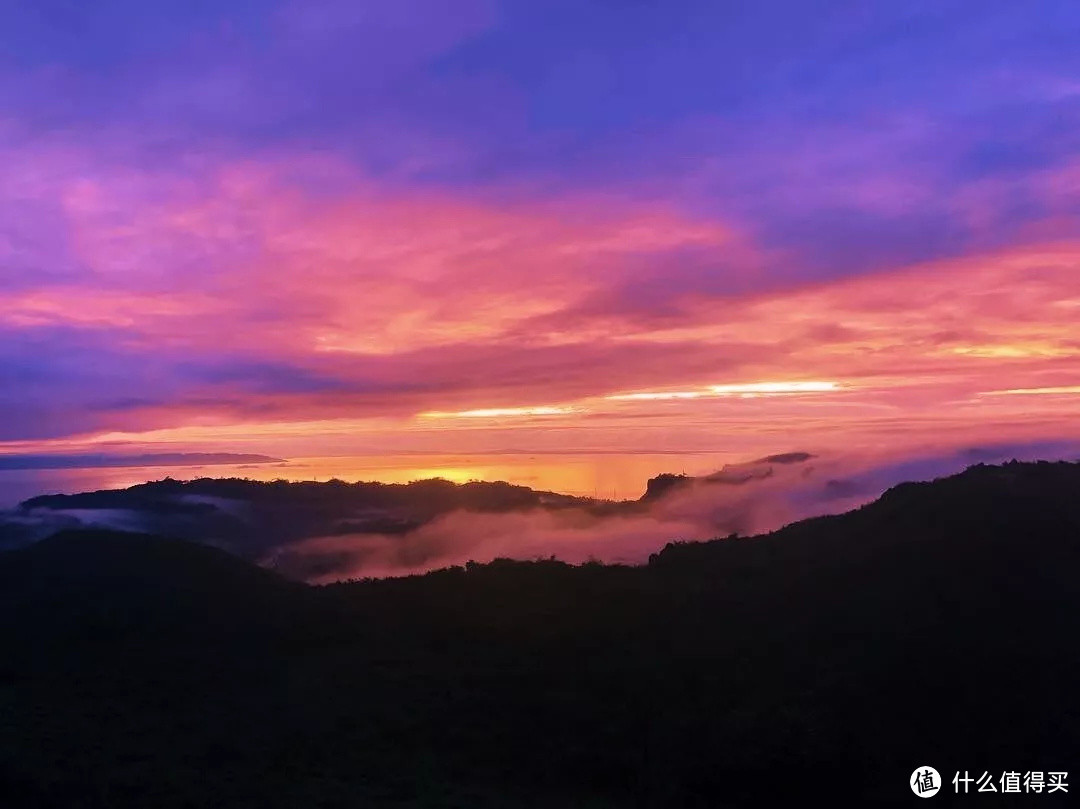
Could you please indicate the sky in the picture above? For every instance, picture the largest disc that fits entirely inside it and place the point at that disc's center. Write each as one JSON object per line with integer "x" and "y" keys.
{"x": 328, "y": 228}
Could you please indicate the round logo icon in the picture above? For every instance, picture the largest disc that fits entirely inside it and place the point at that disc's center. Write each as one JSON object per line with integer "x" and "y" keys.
{"x": 925, "y": 782}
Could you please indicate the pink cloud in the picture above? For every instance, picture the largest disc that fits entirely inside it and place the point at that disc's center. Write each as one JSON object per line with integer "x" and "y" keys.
{"x": 272, "y": 302}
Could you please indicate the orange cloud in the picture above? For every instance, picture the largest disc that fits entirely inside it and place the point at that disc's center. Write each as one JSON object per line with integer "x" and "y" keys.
{"x": 285, "y": 316}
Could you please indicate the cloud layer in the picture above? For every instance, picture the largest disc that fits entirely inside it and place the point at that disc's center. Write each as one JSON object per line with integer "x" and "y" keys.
{"x": 303, "y": 228}
{"x": 746, "y": 499}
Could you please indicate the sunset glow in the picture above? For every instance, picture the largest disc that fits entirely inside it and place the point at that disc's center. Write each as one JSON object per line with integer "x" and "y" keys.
{"x": 749, "y": 389}
{"x": 1061, "y": 391}
{"x": 499, "y": 412}
{"x": 538, "y": 403}
{"x": 484, "y": 262}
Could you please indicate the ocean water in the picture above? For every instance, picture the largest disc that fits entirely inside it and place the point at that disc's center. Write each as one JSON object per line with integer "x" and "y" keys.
{"x": 608, "y": 475}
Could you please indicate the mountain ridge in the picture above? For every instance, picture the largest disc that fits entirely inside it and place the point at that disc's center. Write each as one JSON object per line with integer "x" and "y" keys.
{"x": 932, "y": 626}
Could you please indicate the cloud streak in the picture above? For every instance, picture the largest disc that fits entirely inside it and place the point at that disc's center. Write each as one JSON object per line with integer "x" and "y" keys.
{"x": 23, "y": 461}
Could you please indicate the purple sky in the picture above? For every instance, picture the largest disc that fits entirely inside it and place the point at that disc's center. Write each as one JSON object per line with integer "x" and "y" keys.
{"x": 261, "y": 227}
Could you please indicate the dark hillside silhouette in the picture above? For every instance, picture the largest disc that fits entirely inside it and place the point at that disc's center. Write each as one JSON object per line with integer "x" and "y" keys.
{"x": 935, "y": 626}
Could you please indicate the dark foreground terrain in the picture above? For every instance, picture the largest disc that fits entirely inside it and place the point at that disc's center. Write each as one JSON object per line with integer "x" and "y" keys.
{"x": 937, "y": 626}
